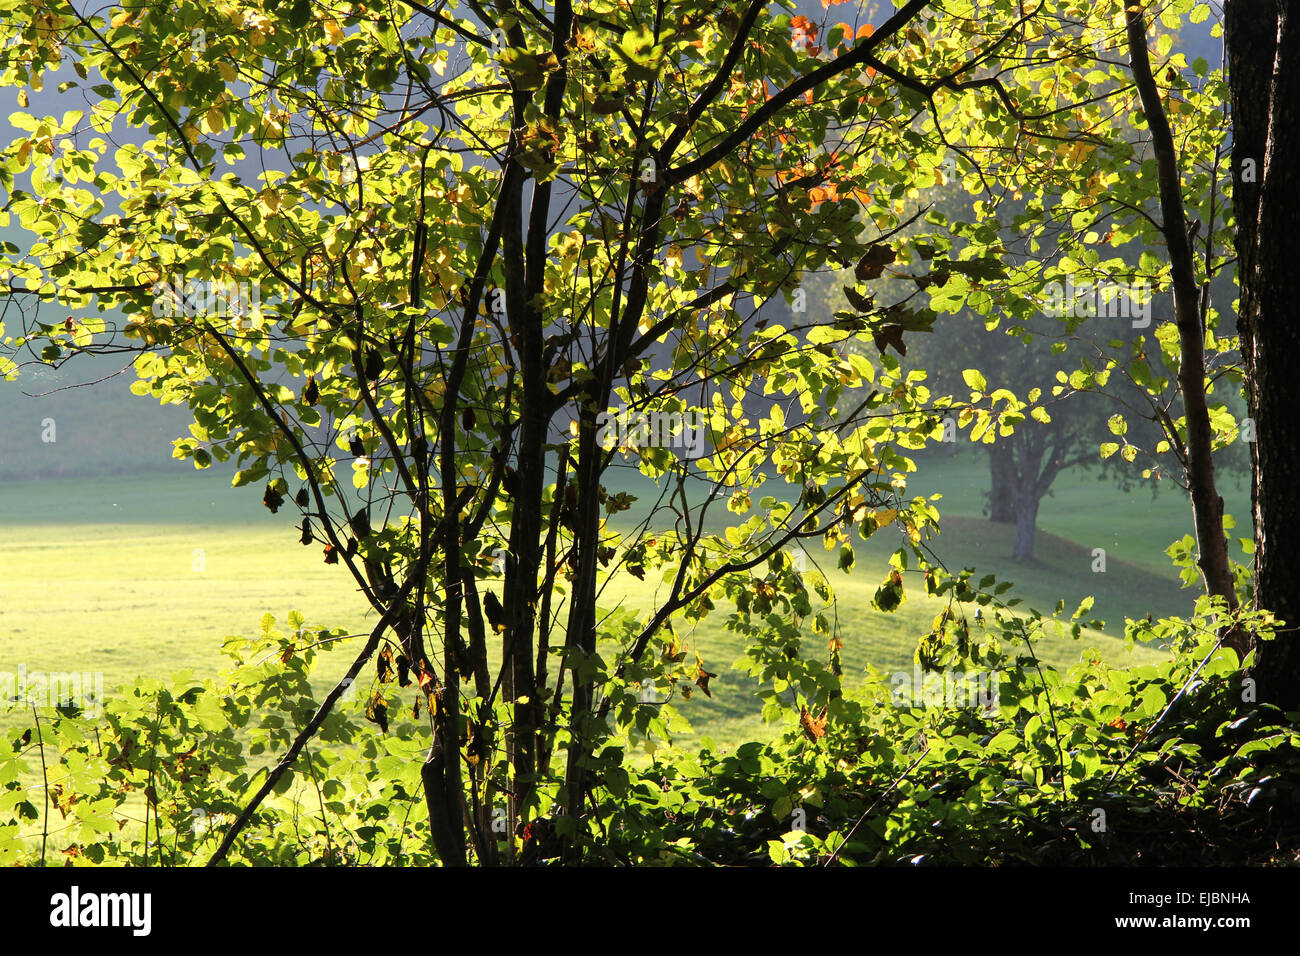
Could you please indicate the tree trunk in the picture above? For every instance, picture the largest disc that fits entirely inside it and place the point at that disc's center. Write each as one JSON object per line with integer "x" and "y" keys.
{"x": 1028, "y": 445}
{"x": 1271, "y": 340}
{"x": 1207, "y": 506}
{"x": 1026, "y": 525}
{"x": 1002, "y": 483}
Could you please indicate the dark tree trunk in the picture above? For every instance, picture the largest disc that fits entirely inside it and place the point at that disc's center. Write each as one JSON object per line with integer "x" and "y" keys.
{"x": 1030, "y": 486}
{"x": 1207, "y": 506}
{"x": 1037, "y": 453}
{"x": 1269, "y": 248}
{"x": 1002, "y": 483}
{"x": 1026, "y": 525}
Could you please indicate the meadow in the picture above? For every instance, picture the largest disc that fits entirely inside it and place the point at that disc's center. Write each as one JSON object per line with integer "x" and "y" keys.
{"x": 146, "y": 576}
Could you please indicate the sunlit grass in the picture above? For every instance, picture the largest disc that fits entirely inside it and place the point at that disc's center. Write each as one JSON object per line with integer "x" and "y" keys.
{"x": 148, "y": 576}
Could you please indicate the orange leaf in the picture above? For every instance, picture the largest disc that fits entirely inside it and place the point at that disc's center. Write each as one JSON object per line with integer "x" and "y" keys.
{"x": 426, "y": 678}
{"x": 803, "y": 33}
{"x": 813, "y": 727}
{"x": 802, "y": 25}
{"x": 702, "y": 678}
{"x": 823, "y": 193}
{"x": 846, "y": 31}
{"x": 851, "y": 36}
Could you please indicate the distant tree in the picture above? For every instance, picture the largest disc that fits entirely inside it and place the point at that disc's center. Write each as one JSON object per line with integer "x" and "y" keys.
{"x": 1024, "y": 466}
{"x": 1020, "y": 357}
{"x": 1029, "y": 240}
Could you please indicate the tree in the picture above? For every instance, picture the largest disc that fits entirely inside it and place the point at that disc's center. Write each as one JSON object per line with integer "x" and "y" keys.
{"x": 1189, "y": 311}
{"x": 1045, "y": 333}
{"x": 481, "y": 296}
{"x": 1106, "y": 183}
{"x": 1263, "y": 44}
{"x": 1024, "y": 466}
{"x": 437, "y": 348}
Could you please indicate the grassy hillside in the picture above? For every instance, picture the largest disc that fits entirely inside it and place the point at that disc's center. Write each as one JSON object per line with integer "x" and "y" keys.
{"x": 147, "y": 575}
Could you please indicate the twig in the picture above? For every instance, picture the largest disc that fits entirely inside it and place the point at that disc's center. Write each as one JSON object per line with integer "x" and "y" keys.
{"x": 854, "y": 829}
{"x": 45, "y": 822}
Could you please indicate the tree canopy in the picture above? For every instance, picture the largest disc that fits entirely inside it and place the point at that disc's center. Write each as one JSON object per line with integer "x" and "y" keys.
{"x": 508, "y": 304}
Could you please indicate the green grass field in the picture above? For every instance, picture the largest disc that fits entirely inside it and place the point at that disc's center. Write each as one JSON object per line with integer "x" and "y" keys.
{"x": 148, "y": 575}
